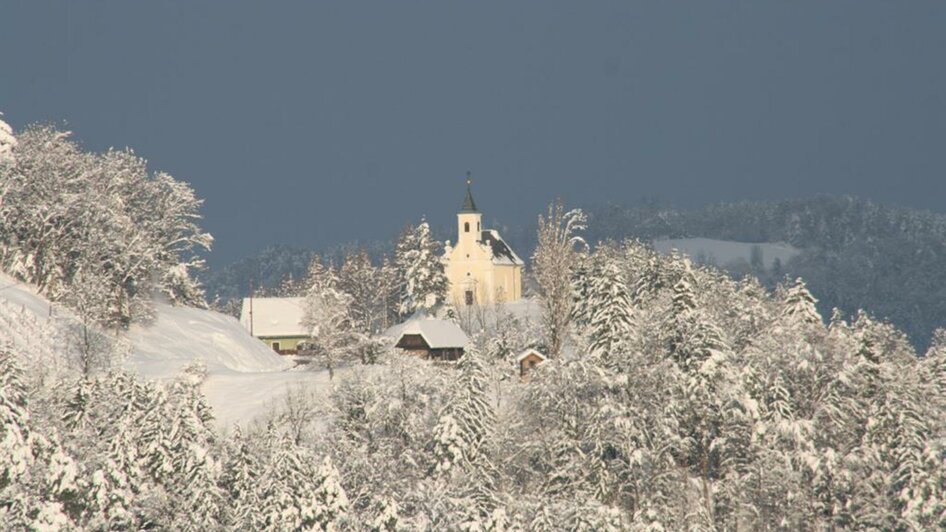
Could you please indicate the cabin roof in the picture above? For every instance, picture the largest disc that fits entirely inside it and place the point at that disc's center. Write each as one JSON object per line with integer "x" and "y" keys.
{"x": 522, "y": 356}
{"x": 274, "y": 316}
{"x": 439, "y": 334}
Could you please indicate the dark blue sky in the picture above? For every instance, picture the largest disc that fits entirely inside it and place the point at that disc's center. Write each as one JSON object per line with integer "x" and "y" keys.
{"x": 314, "y": 123}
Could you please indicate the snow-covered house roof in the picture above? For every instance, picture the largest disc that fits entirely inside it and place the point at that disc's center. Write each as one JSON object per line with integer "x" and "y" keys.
{"x": 522, "y": 356}
{"x": 502, "y": 253}
{"x": 439, "y": 334}
{"x": 273, "y": 316}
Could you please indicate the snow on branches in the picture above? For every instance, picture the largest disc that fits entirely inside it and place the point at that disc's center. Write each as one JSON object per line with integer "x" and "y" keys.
{"x": 98, "y": 231}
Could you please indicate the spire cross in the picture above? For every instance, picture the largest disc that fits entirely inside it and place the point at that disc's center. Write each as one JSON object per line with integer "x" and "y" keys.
{"x": 469, "y": 177}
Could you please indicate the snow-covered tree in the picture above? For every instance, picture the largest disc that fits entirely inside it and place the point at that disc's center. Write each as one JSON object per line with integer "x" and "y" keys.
{"x": 554, "y": 261}
{"x": 16, "y": 454}
{"x": 468, "y": 420}
{"x": 421, "y": 272}
{"x": 799, "y": 304}
{"x": 327, "y": 317}
{"x": 360, "y": 280}
{"x": 296, "y": 492}
{"x": 98, "y": 230}
{"x": 7, "y": 143}
{"x": 239, "y": 481}
{"x": 611, "y": 321}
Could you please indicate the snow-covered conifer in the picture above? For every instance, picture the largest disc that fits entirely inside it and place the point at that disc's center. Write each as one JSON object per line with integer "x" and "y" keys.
{"x": 420, "y": 269}
{"x": 800, "y": 304}
{"x": 16, "y": 454}
{"x": 387, "y": 518}
{"x": 296, "y": 492}
{"x": 582, "y": 280}
{"x": 467, "y": 423}
{"x": 684, "y": 291}
{"x": 239, "y": 478}
{"x": 611, "y": 319}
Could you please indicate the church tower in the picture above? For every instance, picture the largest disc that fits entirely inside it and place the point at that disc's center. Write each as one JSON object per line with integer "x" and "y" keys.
{"x": 481, "y": 267}
{"x": 469, "y": 218}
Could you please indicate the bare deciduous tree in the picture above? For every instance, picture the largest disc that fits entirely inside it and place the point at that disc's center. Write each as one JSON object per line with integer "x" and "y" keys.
{"x": 554, "y": 258}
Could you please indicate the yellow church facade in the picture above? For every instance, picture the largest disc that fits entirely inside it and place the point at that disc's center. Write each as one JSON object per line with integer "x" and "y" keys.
{"x": 481, "y": 267}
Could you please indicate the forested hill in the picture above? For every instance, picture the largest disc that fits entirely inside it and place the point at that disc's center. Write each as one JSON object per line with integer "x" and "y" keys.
{"x": 890, "y": 261}
{"x": 855, "y": 254}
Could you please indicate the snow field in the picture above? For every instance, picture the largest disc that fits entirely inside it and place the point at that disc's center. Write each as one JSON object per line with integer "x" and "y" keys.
{"x": 245, "y": 377}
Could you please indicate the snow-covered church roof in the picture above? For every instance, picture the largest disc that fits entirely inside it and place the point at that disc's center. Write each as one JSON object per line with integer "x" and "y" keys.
{"x": 273, "y": 316}
{"x": 439, "y": 334}
{"x": 502, "y": 253}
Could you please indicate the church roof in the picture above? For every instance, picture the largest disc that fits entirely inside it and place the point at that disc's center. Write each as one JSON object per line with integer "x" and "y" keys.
{"x": 502, "y": 253}
{"x": 468, "y": 204}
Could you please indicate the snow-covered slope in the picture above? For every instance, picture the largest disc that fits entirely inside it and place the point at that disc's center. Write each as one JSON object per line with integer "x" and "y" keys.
{"x": 723, "y": 252}
{"x": 181, "y": 335}
{"x": 25, "y": 327}
{"x": 23, "y": 296}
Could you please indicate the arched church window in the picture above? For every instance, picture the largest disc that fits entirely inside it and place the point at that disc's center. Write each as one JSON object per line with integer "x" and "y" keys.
{"x": 466, "y": 227}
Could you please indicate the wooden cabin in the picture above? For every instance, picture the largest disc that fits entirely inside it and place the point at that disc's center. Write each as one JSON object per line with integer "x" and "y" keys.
{"x": 429, "y": 338}
{"x": 529, "y": 359}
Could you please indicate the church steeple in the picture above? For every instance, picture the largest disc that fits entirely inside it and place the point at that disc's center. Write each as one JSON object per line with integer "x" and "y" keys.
{"x": 469, "y": 218}
{"x": 468, "y": 204}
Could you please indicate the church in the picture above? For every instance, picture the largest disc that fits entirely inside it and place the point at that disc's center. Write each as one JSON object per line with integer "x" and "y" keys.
{"x": 481, "y": 267}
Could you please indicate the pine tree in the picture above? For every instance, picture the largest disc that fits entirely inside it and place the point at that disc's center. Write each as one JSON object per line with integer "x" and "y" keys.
{"x": 465, "y": 431}
{"x": 799, "y": 304}
{"x": 684, "y": 291}
{"x": 156, "y": 445}
{"x": 468, "y": 420}
{"x": 16, "y": 453}
{"x": 108, "y": 500}
{"x": 194, "y": 471}
{"x": 421, "y": 270}
{"x": 387, "y": 518}
{"x": 611, "y": 319}
{"x": 239, "y": 481}
{"x": 295, "y": 492}
{"x": 582, "y": 280}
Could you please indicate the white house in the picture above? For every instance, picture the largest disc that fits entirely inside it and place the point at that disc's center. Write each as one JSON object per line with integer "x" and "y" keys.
{"x": 277, "y": 321}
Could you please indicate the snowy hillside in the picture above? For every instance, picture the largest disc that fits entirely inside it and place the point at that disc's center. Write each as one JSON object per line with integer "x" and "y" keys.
{"x": 23, "y": 296}
{"x": 24, "y": 325}
{"x": 181, "y": 335}
{"x": 723, "y": 252}
{"x": 245, "y": 377}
